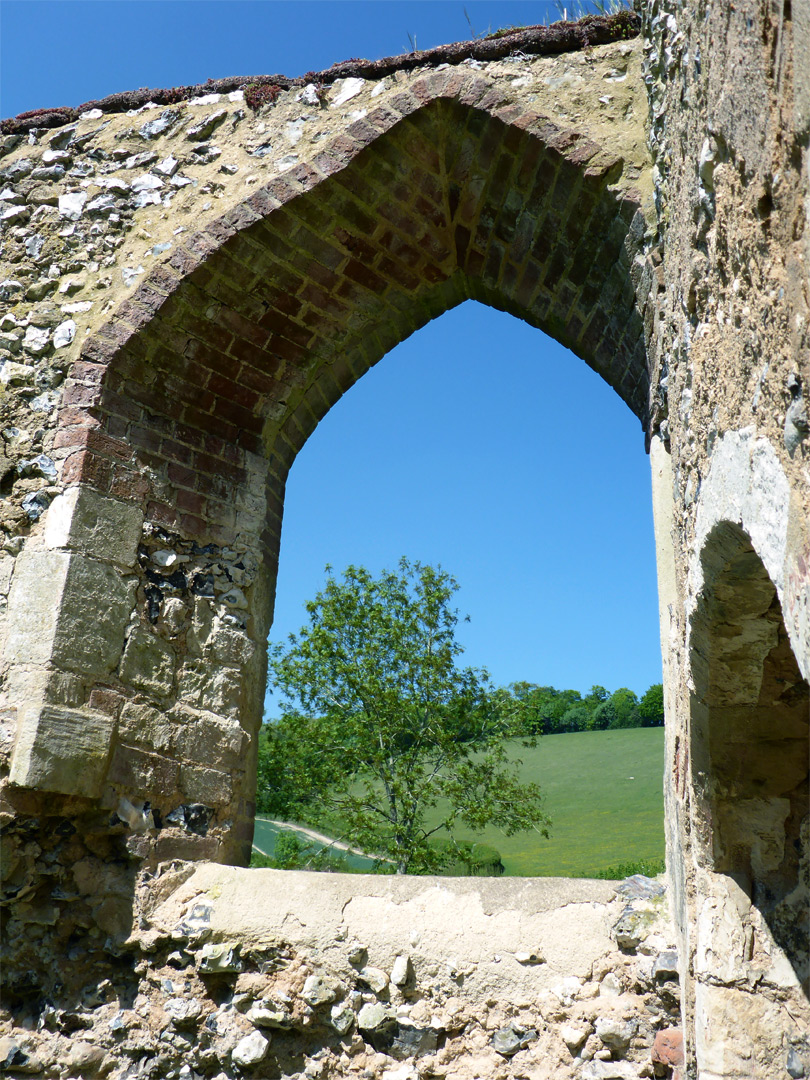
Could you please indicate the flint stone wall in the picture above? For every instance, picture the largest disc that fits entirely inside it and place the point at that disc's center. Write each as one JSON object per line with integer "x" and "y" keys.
{"x": 189, "y": 288}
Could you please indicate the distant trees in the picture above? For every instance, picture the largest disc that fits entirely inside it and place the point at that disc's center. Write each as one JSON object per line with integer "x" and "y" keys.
{"x": 545, "y": 710}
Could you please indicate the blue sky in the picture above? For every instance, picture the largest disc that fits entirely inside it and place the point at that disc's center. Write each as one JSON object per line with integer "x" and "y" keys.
{"x": 478, "y": 443}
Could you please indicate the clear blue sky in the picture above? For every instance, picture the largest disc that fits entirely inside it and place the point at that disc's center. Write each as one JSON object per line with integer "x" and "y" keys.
{"x": 478, "y": 443}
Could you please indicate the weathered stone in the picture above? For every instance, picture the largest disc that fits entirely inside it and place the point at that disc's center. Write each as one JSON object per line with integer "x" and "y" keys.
{"x": 666, "y": 966}
{"x": 507, "y": 1041}
{"x": 201, "y": 131}
{"x": 342, "y": 1018}
{"x": 639, "y": 887}
{"x": 148, "y": 663}
{"x": 376, "y": 1018}
{"x": 219, "y": 958}
{"x": 12, "y": 1055}
{"x": 402, "y": 971}
{"x": 72, "y": 205}
{"x": 154, "y": 128}
{"x": 36, "y": 340}
{"x": 412, "y": 1040}
{"x": 266, "y": 1017}
{"x": 615, "y": 1034}
{"x": 84, "y": 520}
{"x": 608, "y": 1070}
{"x": 321, "y": 990}
{"x": 574, "y": 1036}
{"x": 251, "y": 1050}
{"x": 375, "y": 978}
{"x": 795, "y": 1065}
{"x": 212, "y": 738}
{"x": 633, "y": 926}
{"x": 610, "y": 986}
{"x": 145, "y": 724}
{"x": 212, "y": 787}
{"x": 64, "y": 750}
{"x": 183, "y": 1012}
{"x": 84, "y": 631}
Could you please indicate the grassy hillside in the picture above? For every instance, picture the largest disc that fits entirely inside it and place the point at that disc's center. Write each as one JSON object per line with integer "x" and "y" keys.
{"x": 603, "y": 792}
{"x": 604, "y": 795}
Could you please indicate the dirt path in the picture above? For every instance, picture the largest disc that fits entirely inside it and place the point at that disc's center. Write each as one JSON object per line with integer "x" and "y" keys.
{"x": 320, "y": 838}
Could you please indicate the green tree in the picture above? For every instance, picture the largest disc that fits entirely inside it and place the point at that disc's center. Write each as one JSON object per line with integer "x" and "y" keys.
{"x": 625, "y": 704}
{"x": 651, "y": 706}
{"x": 391, "y": 726}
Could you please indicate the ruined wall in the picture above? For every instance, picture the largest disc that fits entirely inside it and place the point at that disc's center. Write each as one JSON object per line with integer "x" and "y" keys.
{"x": 188, "y": 288}
{"x": 729, "y": 137}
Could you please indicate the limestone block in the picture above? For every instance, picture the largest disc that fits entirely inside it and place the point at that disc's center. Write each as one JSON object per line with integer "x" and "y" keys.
{"x": 6, "y": 569}
{"x": 212, "y": 739}
{"x": 85, "y": 521}
{"x": 33, "y": 605}
{"x": 67, "y": 610}
{"x": 94, "y": 610}
{"x": 758, "y": 825}
{"x": 143, "y": 724}
{"x": 148, "y": 663}
{"x": 732, "y": 1028}
{"x": 216, "y": 690}
{"x": 64, "y": 750}
{"x": 229, "y": 646}
{"x": 26, "y": 685}
{"x": 142, "y": 773}
{"x": 207, "y": 786}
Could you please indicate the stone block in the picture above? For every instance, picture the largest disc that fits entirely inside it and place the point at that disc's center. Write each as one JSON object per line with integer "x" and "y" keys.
{"x": 6, "y": 570}
{"x": 143, "y": 773}
{"x": 216, "y": 690}
{"x": 208, "y": 786}
{"x": 67, "y": 610}
{"x": 62, "y": 750}
{"x": 148, "y": 663}
{"x": 33, "y": 605}
{"x": 146, "y": 725}
{"x": 228, "y": 646}
{"x": 26, "y": 685}
{"x": 88, "y": 522}
{"x": 212, "y": 739}
{"x": 94, "y": 610}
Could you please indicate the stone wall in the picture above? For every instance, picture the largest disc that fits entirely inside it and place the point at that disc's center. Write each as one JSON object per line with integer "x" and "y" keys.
{"x": 188, "y": 286}
{"x": 729, "y": 138}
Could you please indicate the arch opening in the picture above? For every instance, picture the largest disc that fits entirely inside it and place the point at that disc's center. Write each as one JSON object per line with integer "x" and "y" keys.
{"x": 471, "y": 499}
{"x": 750, "y": 757}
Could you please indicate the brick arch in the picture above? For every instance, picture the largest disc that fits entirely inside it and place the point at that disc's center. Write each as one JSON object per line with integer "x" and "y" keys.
{"x": 190, "y": 405}
{"x": 257, "y": 325}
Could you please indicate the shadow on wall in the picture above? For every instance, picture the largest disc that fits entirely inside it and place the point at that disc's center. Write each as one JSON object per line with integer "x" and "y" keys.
{"x": 751, "y": 749}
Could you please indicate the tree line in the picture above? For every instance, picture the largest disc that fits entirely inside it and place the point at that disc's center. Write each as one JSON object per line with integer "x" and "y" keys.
{"x": 543, "y": 710}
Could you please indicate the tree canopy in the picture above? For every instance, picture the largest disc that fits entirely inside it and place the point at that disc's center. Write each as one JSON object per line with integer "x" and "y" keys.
{"x": 545, "y": 710}
{"x": 380, "y": 724}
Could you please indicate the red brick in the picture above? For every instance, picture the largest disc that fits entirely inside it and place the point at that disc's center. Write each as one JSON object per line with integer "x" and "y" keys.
{"x": 189, "y": 501}
{"x": 191, "y": 525}
{"x": 161, "y": 513}
{"x": 144, "y": 437}
{"x": 78, "y": 394}
{"x": 129, "y": 485}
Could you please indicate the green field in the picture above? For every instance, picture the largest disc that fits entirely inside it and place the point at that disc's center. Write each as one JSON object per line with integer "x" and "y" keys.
{"x": 603, "y": 793}
{"x": 599, "y": 815}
